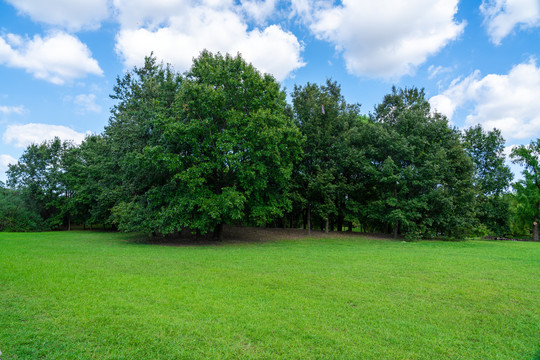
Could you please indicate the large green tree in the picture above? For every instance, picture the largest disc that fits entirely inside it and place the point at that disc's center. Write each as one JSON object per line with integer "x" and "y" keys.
{"x": 94, "y": 176}
{"x": 528, "y": 189}
{"x": 419, "y": 169}
{"x": 143, "y": 96}
{"x": 40, "y": 177}
{"x": 492, "y": 177}
{"x": 220, "y": 153}
{"x": 325, "y": 177}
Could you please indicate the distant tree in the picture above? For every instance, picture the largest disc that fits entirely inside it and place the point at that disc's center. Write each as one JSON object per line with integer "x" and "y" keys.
{"x": 220, "y": 153}
{"x": 528, "y": 189}
{"x": 324, "y": 177}
{"x": 40, "y": 177}
{"x": 492, "y": 177}
{"x": 94, "y": 176}
{"x": 15, "y": 214}
{"x": 419, "y": 169}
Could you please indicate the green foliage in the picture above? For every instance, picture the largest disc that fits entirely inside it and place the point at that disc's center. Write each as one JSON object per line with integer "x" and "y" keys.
{"x": 95, "y": 178}
{"x": 486, "y": 149}
{"x": 15, "y": 214}
{"x": 492, "y": 178}
{"x": 528, "y": 189}
{"x": 324, "y": 178}
{"x": 42, "y": 181}
{"x": 520, "y": 225}
{"x": 219, "y": 150}
{"x": 220, "y": 145}
{"x": 420, "y": 175}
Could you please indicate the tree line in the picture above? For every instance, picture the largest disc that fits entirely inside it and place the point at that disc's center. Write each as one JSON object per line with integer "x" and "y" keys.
{"x": 220, "y": 144}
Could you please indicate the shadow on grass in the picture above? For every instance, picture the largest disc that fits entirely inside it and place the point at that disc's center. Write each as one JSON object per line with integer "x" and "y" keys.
{"x": 237, "y": 234}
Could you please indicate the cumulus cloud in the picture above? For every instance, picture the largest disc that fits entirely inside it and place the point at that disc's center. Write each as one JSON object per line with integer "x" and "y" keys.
{"x": 502, "y": 16}
{"x": 23, "y": 135}
{"x": 506, "y": 102}
{"x": 86, "y": 103}
{"x": 134, "y": 14}
{"x": 259, "y": 10}
{"x": 5, "y": 160}
{"x": 385, "y": 38}
{"x": 72, "y": 15}
{"x": 6, "y": 110}
{"x": 57, "y": 58}
{"x": 178, "y": 31}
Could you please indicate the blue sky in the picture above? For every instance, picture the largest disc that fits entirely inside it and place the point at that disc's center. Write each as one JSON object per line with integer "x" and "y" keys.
{"x": 477, "y": 60}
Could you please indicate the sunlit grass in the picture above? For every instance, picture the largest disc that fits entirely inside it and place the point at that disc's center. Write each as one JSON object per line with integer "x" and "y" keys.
{"x": 87, "y": 295}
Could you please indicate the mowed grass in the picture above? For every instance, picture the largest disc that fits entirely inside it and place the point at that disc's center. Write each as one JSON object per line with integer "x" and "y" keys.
{"x": 88, "y": 295}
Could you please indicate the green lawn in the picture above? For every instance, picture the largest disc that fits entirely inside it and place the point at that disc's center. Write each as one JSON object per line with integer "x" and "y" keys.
{"x": 85, "y": 295}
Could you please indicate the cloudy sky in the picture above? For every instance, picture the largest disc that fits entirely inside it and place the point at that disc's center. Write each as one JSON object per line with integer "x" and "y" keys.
{"x": 479, "y": 61}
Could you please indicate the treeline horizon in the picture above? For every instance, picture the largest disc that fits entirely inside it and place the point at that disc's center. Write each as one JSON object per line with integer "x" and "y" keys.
{"x": 219, "y": 145}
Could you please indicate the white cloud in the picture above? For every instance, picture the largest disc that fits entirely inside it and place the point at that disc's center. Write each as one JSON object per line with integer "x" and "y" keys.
{"x": 437, "y": 70}
{"x": 502, "y": 16}
{"x": 133, "y": 14}
{"x": 5, "y": 160}
{"x": 508, "y": 150}
{"x": 384, "y": 38}
{"x": 6, "y": 110}
{"x": 57, "y": 58}
{"x": 23, "y": 135}
{"x": 178, "y": 31}
{"x": 87, "y": 103}
{"x": 305, "y": 9}
{"x": 73, "y": 15}
{"x": 259, "y": 10}
{"x": 459, "y": 91}
{"x": 506, "y": 102}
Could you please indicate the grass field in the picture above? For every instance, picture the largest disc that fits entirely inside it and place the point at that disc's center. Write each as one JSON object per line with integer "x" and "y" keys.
{"x": 89, "y": 295}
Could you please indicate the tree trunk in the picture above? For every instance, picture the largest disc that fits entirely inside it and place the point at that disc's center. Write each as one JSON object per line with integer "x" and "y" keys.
{"x": 340, "y": 222}
{"x": 309, "y": 221}
{"x": 218, "y": 232}
{"x": 350, "y": 226}
{"x": 326, "y": 226}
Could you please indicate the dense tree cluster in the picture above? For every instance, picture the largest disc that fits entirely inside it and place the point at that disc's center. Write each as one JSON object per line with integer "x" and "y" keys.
{"x": 220, "y": 145}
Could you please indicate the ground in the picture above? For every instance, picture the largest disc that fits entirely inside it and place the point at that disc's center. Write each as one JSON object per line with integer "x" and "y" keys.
{"x": 237, "y": 234}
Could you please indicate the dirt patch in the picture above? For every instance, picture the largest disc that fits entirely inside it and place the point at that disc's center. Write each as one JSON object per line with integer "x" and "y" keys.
{"x": 237, "y": 234}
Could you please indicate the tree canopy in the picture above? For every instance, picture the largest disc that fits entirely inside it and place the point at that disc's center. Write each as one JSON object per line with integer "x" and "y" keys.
{"x": 492, "y": 178}
{"x": 422, "y": 175}
{"x": 528, "y": 189}
{"x": 219, "y": 152}
{"x": 40, "y": 177}
{"x": 219, "y": 145}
